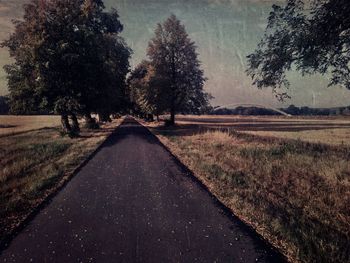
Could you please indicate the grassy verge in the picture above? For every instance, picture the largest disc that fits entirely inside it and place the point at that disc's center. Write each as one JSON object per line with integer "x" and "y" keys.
{"x": 295, "y": 194}
{"x": 36, "y": 163}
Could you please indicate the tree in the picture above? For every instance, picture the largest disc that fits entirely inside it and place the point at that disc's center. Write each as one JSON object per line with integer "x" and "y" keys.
{"x": 307, "y": 36}
{"x": 23, "y": 46}
{"x": 4, "y": 107}
{"x": 146, "y": 90}
{"x": 106, "y": 62}
{"x": 175, "y": 60}
{"x": 114, "y": 67}
{"x": 69, "y": 59}
{"x": 293, "y": 110}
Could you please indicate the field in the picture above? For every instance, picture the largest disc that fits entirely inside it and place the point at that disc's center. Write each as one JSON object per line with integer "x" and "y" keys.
{"x": 17, "y": 124}
{"x": 35, "y": 163}
{"x": 289, "y": 178}
{"x": 329, "y": 130}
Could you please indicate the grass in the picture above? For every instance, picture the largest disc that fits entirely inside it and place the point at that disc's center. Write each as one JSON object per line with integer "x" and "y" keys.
{"x": 328, "y": 136}
{"x": 294, "y": 193}
{"x": 333, "y": 130}
{"x": 10, "y": 125}
{"x": 35, "y": 163}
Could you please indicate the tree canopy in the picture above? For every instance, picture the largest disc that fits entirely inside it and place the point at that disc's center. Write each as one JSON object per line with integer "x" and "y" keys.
{"x": 307, "y": 36}
{"x": 177, "y": 73}
{"x": 146, "y": 91}
{"x": 69, "y": 58}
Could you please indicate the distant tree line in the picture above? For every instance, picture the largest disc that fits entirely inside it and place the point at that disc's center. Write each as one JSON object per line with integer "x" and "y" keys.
{"x": 292, "y": 110}
{"x": 244, "y": 111}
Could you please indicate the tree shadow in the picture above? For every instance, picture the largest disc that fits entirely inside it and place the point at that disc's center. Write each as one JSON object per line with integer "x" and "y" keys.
{"x": 91, "y": 133}
{"x": 130, "y": 127}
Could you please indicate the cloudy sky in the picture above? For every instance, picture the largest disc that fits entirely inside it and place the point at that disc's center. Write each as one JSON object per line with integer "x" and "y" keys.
{"x": 225, "y": 31}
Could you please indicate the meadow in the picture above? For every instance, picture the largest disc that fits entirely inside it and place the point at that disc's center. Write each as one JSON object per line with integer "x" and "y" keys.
{"x": 35, "y": 161}
{"x": 289, "y": 178}
{"x": 17, "y": 124}
{"x": 319, "y": 129}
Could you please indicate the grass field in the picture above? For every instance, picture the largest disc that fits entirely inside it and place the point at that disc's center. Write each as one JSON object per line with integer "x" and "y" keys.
{"x": 33, "y": 164}
{"x": 295, "y": 193}
{"x": 329, "y": 130}
{"x": 17, "y": 124}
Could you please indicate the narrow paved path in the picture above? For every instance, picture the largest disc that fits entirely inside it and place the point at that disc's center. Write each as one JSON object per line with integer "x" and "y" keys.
{"x": 134, "y": 203}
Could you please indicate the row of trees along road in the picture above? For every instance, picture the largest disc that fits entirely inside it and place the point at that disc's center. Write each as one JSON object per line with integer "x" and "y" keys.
{"x": 68, "y": 59}
{"x": 171, "y": 80}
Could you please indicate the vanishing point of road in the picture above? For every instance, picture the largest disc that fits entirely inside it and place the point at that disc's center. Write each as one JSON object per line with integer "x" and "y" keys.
{"x": 133, "y": 202}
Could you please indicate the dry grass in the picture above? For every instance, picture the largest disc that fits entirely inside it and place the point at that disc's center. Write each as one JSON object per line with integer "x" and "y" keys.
{"x": 34, "y": 164}
{"x": 328, "y": 136}
{"x": 10, "y": 125}
{"x": 296, "y": 194}
{"x": 329, "y": 130}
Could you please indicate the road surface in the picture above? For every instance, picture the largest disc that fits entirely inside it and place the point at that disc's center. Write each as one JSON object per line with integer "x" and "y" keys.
{"x": 133, "y": 202}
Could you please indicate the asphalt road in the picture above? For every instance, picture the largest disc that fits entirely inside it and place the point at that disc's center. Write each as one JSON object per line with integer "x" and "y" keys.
{"x": 133, "y": 202}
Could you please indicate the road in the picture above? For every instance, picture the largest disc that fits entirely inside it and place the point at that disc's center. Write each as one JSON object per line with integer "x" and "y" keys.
{"x": 133, "y": 202}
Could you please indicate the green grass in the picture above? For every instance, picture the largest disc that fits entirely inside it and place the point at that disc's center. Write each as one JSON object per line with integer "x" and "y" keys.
{"x": 295, "y": 193}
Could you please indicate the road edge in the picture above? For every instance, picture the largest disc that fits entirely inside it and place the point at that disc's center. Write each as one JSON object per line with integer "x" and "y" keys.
{"x": 229, "y": 212}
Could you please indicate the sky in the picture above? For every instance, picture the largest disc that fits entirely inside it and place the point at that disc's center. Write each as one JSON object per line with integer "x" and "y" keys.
{"x": 225, "y": 32}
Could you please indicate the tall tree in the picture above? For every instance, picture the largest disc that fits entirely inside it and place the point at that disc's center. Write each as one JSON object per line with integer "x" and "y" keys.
{"x": 114, "y": 55}
{"x": 307, "y": 36}
{"x": 23, "y": 74}
{"x": 69, "y": 58}
{"x": 175, "y": 60}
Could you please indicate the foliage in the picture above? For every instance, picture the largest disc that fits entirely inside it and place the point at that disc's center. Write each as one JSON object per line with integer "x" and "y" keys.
{"x": 69, "y": 59}
{"x": 146, "y": 90}
{"x": 308, "y": 36}
{"x": 244, "y": 111}
{"x": 292, "y": 110}
{"x": 175, "y": 61}
{"x": 4, "y": 105}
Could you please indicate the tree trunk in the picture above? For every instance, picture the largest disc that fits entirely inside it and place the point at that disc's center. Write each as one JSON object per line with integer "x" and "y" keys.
{"x": 172, "y": 117}
{"x": 88, "y": 118}
{"x": 90, "y": 123}
{"x": 75, "y": 123}
{"x": 157, "y": 116}
{"x": 65, "y": 124}
{"x": 149, "y": 117}
{"x": 104, "y": 117}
